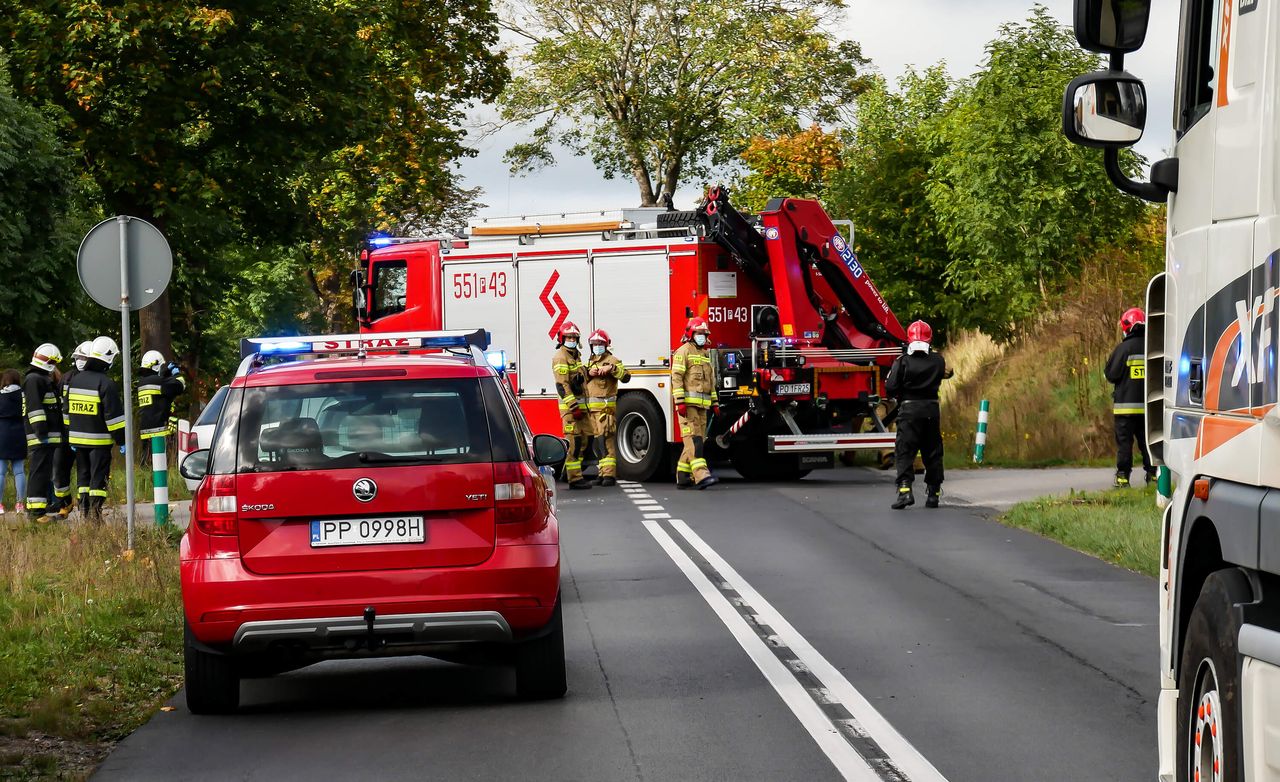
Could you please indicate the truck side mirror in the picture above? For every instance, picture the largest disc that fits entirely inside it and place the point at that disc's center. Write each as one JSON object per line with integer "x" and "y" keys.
{"x": 1106, "y": 109}
{"x": 359, "y": 300}
{"x": 1112, "y": 26}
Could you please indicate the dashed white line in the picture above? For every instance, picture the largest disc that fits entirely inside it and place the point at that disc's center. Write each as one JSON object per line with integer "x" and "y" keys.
{"x": 856, "y": 738}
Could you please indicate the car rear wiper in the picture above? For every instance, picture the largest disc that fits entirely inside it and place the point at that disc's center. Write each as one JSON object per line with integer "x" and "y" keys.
{"x": 272, "y": 468}
{"x": 366, "y": 457}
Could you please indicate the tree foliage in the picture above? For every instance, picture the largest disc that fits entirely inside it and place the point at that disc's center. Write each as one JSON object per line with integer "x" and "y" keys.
{"x": 662, "y": 90}
{"x": 797, "y": 165}
{"x": 1019, "y": 205}
{"x": 255, "y": 124}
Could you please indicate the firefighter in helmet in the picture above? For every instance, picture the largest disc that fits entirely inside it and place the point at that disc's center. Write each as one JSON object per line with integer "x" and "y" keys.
{"x": 66, "y": 456}
{"x": 159, "y": 383}
{"x": 97, "y": 423}
{"x": 571, "y": 381}
{"x": 693, "y": 388}
{"x": 1126, "y": 369}
{"x": 604, "y": 372}
{"x": 42, "y": 419}
{"x": 914, "y": 380}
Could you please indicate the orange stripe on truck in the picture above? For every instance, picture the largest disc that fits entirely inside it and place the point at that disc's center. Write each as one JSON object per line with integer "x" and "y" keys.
{"x": 1224, "y": 51}
{"x": 1217, "y": 430}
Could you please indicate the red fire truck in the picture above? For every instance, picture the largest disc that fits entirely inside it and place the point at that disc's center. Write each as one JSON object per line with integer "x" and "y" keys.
{"x": 802, "y": 337}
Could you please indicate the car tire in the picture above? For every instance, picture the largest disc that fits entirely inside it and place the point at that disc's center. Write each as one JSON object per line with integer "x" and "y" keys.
{"x": 751, "y": 458}
{"x": 642, "y": 438}
{"x": 212, "y": 683}
{"x": 1209, "y": 703}
{"x": 540, "y": 673}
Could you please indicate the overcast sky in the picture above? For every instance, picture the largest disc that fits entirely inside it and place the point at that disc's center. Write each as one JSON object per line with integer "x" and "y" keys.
{"x": 894, "y": 35}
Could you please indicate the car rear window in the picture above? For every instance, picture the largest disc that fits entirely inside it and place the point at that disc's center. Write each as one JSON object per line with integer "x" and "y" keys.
{"x": 209, "y": 415}
{"x": 327, "y": 426}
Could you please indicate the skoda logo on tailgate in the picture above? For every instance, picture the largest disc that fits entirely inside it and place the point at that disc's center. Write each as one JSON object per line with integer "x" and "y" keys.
{"x": 364, "y": 489}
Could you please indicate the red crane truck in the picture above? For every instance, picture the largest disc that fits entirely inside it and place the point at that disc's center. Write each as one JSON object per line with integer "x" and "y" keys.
{"x": 803, "y": 339}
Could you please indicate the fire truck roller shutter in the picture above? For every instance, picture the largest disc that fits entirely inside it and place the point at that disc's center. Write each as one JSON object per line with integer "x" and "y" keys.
{"x": 553, "y": 291}
{"x": 482, "y": 294}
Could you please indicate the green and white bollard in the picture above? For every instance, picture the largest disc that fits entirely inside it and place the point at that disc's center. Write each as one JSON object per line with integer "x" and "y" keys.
{"x": 160, "y": 479}
{"x": 980, "y": 441}
{"x": 1164, "y": 487}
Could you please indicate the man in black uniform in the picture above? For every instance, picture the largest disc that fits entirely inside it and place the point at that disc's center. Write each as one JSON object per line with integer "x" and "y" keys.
{"x": 66, "y": 456}
{"x": 159, "y": 383}
{"x": 1127, "y": 370}
{"x": 42, "y": 418}
{"x": 97, "y": 422}
{"x": 914, "y": 380}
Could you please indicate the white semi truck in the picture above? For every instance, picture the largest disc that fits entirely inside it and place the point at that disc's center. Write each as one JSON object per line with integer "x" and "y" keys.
{"x": 1211, "y": 375}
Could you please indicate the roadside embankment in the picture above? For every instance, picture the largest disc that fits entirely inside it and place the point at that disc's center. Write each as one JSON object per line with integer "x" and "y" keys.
{"x": 1120, "y": 526}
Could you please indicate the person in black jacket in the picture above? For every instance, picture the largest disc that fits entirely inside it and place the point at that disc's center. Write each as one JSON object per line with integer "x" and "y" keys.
{"x": 65, "y": 456}
{"x": 1126, "y": 369}
{"x": 97, "y": 422}
{"x": 13, "y": 443}
{"x": 913, "y": 380}
{"x": 159, "y": 383}
{"x": 42, "y": 417}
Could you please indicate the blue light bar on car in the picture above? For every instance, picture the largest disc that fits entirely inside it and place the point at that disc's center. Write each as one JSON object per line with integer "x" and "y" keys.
{"x": 364, "y": 343}
{"x": 497, "y": 359}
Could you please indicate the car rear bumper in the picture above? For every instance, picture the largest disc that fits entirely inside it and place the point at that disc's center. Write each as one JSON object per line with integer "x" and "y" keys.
{"x": 508, "y": 597}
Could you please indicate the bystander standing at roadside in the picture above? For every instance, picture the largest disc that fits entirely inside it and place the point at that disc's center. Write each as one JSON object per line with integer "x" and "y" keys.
{"x": 13, "y": 441}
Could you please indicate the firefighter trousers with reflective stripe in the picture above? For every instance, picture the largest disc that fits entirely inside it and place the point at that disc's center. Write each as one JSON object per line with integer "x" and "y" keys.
{"x": 1131, "y": 428}
{"x": 62, "y": 462}
{"x": 40, "y": 478}
{"x": 606, "y": 431}
{"x": 577, "y": 433}
{"x": 94, "y": 464}
{"x": 693, "y": 430}
{"x": 918, "y": 434}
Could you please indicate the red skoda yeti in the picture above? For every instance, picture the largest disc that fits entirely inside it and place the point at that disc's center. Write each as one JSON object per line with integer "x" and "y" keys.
{"x": 385, "y": 499}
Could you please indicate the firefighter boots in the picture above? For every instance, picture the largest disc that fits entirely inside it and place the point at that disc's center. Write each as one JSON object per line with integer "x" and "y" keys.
{"x": 707, "y": 482}
{"x": 1122, "y": 480}
{"x": 607, "y": 480}
{"x": 933, "y": 493}
{"x": 905, "y": 498}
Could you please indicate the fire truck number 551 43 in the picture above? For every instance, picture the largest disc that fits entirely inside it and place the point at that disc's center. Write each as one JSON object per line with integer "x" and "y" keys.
{"x": 474, "y": 285}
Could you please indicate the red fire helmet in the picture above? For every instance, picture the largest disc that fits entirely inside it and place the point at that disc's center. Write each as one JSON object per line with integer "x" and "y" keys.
{"x": 696, "y": 324}
{"x": 601, "y": 336}
{"x": 569, "y": 329}
{"x": 1132, "y": 317}
{"x": 919, "y": 331}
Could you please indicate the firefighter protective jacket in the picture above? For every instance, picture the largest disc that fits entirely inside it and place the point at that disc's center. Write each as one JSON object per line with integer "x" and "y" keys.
{"x": 96, "y": 412}
{"x": 1127, "y": 369}
{"x": 602, "y": 390}
{"x": 62, "y": 391}
{"x": 155, "y": 400}
{"x": 916, "y": 376}
{"x": 570, "y": 375}
{"x": 41, "y": 409}
{"x": 693, "y": 379}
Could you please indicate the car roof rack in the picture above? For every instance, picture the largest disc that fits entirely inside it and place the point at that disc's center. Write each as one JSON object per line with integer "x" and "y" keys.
{"x": 255, "y": 351}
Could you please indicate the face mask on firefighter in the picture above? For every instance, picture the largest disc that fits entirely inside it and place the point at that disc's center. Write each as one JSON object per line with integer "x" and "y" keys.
{"x": 80, "y": 364}
{"x": 571, "y": 343}
{"x": 700, "y": 339}
{"x": 598, "y": 349}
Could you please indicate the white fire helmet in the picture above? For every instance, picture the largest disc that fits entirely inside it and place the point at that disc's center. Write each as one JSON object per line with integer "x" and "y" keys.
{"x": 46, "y": 357}
{"x": 105, "y": 350}
{"x": 153, "y": 359}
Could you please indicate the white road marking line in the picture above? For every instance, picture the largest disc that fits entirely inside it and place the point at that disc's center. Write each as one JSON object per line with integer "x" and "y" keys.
{"x": 848, "y": 762}
{"x": 904, "y": 756}
{"x": 657, "y": 515}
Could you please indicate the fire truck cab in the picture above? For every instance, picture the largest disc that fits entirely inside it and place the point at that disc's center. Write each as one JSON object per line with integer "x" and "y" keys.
{"x": 789, "y": 402}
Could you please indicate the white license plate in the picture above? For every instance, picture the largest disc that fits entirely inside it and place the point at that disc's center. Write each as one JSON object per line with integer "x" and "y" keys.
{"x": 793, "y": 388}
{"x": 367, "y": 532}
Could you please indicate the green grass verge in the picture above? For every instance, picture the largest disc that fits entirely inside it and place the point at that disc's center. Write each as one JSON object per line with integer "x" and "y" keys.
{"x": 90, "y": 641}
{"x": 1120, "y": 526}
{"x": 142, "y": 483}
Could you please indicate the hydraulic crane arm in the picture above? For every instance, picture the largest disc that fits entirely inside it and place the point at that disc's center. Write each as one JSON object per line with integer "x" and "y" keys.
{"x": 824, "y": 296}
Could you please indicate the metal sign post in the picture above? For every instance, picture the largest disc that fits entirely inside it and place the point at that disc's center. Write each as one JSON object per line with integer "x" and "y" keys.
{"x": 127, "y": 392}
{"x": 125, "y": 263}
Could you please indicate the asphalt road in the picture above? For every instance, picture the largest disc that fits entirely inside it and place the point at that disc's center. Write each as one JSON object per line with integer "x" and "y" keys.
{"x": 773, "y": 632}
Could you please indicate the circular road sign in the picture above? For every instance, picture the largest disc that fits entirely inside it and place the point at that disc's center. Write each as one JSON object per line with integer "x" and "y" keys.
{"x": 150, "y": 263}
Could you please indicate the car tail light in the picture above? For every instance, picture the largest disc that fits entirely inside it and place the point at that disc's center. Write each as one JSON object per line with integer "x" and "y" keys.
{"x": 215, "y": 506}
{"x": 517, "y": 494}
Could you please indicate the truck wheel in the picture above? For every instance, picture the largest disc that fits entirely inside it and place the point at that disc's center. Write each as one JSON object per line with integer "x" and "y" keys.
{"x": 211, "y": 681}
{"x": 1210, "y": 739}
{"x": 642, "y": 438}
{"x": 540, "y": 671}
{"x": 752, "y": 460}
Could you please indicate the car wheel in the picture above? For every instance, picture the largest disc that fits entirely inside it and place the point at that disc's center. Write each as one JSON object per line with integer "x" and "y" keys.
{"x": 751, "y": 458}
{"x": 540, "y": 673}
{"x": 642, "y": 438}
{"x": 211, "y": 681}
{"x": 1210, "y": 740}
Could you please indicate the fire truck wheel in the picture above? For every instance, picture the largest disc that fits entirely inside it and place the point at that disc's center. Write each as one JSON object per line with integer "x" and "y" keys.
{"x": 752, "y": 460}
{"x": 642, "y": 441}
{"x": 1210, "y": 740}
